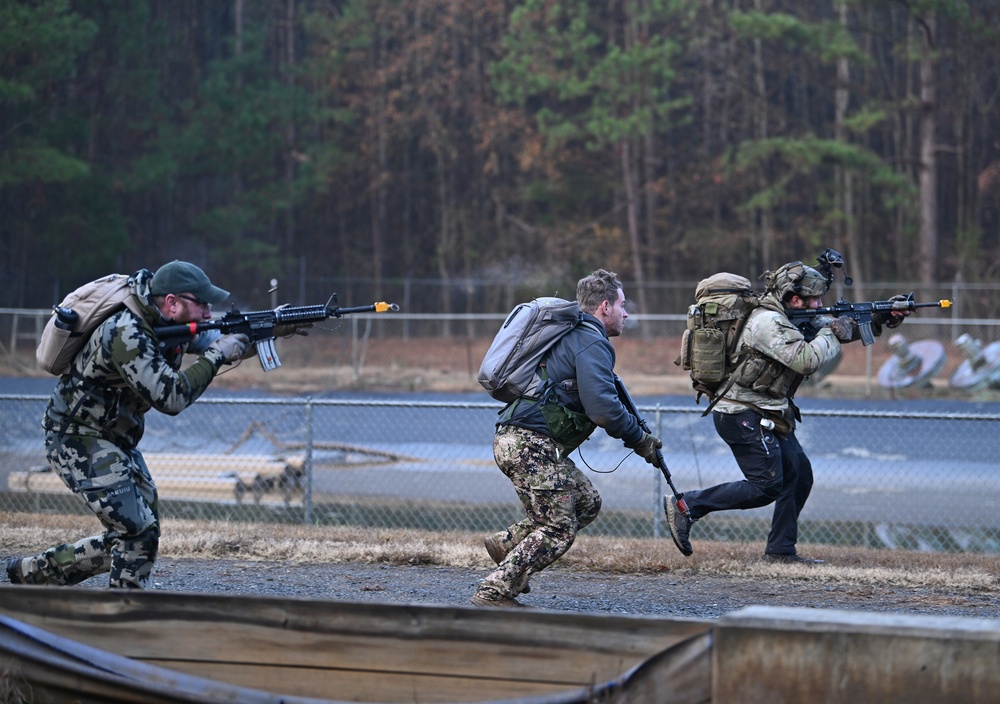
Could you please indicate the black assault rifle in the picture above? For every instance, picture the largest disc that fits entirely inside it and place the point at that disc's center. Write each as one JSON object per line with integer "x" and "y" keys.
{"x": 861, "y": 312}
{"x": 259, "y": 325}
{"x": 661, "y": 463}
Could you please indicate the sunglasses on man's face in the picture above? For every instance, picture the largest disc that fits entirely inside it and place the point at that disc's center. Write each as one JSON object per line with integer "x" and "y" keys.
{"x": 194, "y": 299}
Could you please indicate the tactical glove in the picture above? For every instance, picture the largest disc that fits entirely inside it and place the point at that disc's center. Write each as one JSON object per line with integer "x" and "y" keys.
{"x": 232, "y": 347}
{"x": 289, "y": 329}
{"x": 647, "y": 446}
{"x": 886, "y": 318}
{"x": 844, "y": 328}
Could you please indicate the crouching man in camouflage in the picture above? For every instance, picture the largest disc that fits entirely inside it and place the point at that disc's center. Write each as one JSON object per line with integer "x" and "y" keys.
{"x": 534, "y": 438}
{"x": 96, "y": 418}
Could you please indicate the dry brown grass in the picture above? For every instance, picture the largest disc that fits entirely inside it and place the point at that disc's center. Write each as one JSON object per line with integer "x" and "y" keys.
{"x": 960, "y": 572}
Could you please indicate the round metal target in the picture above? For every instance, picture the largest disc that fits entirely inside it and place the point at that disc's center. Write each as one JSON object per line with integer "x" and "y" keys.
{"x": 912, "y": 364}
{"x": 981, "y": 368}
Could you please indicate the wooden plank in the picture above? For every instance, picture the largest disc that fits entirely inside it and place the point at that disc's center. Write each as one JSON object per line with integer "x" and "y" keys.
{"x": 302, "y": 646}
{"x": 371, "y": 686}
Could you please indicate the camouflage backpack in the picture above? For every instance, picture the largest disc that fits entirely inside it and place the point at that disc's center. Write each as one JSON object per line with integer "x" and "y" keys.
{"x": 723, "y": 302}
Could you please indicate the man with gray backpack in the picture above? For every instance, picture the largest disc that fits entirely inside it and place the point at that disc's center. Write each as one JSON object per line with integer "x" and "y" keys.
{"x": 117, "y": 373}
{"x": 535, "y": 435}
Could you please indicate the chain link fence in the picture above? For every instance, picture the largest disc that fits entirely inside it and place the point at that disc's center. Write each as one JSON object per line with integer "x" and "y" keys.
{"x": 884, "y": 479}
{"x": 933, "y": 352}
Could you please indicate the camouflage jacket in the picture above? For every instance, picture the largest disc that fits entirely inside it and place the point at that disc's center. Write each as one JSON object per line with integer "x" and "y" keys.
{"x": 778, "y": 348}
{"x": 121, "y": 373}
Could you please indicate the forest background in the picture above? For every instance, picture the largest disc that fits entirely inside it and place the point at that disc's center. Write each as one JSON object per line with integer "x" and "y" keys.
{"x": 475, "y": 154}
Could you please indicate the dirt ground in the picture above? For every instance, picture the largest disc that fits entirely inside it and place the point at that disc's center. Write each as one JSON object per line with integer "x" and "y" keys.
{"x": 673, "y": 595}
{"x": 599, "y": 574}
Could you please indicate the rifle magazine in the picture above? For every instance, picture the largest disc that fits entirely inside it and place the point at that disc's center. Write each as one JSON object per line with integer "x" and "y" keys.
{"x": 268, "y": 355}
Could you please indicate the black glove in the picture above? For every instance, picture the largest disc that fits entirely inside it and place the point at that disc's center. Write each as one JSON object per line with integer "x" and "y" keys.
{"x": 811, "y": 327}
{"x": 647, "y": 446}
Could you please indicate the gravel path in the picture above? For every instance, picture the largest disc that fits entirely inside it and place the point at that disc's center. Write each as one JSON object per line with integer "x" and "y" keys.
{"x": 558, "y": 589}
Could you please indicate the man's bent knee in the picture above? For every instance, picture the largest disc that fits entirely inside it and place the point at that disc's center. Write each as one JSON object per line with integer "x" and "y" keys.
{"x": 133, "y": 563}
{"x": 769, "y": 490}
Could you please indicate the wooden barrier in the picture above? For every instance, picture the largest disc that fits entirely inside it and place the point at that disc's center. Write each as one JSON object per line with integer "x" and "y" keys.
{"x": 196, "y": 477}
{"x": 189, "y": 647}
{"x": 307, "y": 651}
{"x": 774, "y": 654}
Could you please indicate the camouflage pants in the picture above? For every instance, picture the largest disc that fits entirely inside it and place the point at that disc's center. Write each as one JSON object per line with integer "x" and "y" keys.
{"x": 116, "y": 485}
{"x": 557, "y": 497}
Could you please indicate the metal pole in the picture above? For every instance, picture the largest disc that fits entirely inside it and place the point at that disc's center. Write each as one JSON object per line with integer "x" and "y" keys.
{"x": 657, "y": 479}
{"x": 355, "y": 354}
{"x": 307, "y": 499}
{"x": 869, "y": 363}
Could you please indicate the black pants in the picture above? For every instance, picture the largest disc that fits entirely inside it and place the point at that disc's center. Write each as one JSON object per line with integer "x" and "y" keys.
{"x": 776, "y": 469}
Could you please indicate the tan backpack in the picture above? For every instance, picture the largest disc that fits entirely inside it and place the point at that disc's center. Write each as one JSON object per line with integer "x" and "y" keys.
{"x": 723, "y": 302}
{"x": 77, "y": 316}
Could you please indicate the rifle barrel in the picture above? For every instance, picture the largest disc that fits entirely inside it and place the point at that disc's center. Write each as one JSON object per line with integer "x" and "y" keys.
{"x": 379, "y": 307}
{"x": 845, "y": 307}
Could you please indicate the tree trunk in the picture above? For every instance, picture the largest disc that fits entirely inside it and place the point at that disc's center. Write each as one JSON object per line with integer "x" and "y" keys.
{"x": 847, "y": 232}
{"x": 379, "y": 164}
{"x": 763, "y": 226}
{"x": 631, "y": 210}
{"x": 928, "y": 157}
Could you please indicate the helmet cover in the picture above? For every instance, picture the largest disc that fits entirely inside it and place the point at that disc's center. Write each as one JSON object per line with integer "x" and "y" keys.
{"x": 797, "y": 278}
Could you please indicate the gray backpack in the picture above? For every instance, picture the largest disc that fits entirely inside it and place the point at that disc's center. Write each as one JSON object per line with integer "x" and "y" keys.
{"x": 510, "y": 368}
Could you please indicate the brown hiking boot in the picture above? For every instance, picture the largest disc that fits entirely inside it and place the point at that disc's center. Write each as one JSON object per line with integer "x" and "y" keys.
{"x": 497, "y": 553}
{"x": 501, "y": 602}
{"x": 495, "y": 549}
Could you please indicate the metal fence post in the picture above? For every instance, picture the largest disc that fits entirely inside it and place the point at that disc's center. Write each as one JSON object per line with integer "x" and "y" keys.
{"x": 355, "y": 353}
{"x": 307, "y": 499}
{"x": 657, "y": 478}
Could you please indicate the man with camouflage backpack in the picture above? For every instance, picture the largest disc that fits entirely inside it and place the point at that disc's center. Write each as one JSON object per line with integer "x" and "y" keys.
{"x": 96, "y": 417}
{"x": 756, "y": 415}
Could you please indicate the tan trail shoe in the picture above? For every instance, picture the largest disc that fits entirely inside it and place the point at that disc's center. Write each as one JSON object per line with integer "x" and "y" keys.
{"x": 497, "y": 553}
{"x": 502, "y": 602}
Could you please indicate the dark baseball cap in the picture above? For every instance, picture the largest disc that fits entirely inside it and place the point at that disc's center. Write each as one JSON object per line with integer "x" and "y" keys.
{"x": 184, "y": 277}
